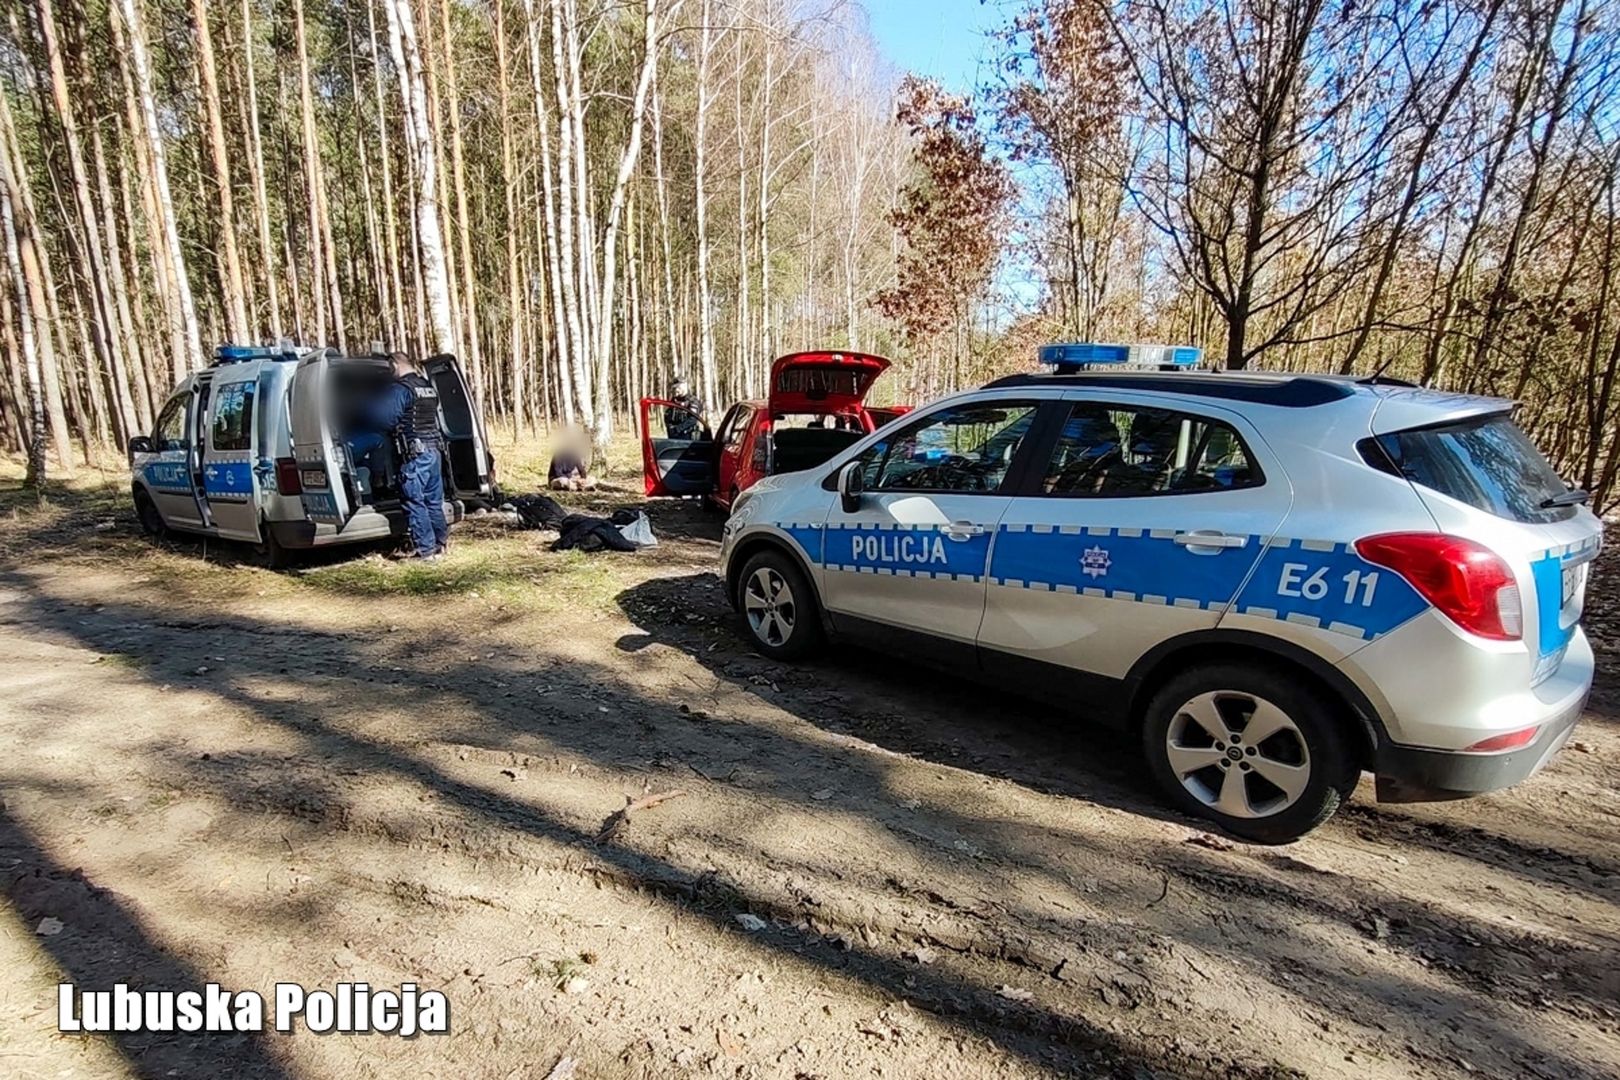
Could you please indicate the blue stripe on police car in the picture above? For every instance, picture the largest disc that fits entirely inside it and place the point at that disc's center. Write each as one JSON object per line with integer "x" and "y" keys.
{"x": 169, "y": 476}
{"x": 1314, "y": 583}
{"x": 231, "y": 481}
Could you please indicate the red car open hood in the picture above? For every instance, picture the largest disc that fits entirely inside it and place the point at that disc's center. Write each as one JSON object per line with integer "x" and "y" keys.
{"x": 822, "y": 381}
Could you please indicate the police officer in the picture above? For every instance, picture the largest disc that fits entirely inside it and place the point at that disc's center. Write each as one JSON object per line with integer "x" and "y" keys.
{"x": 682, "y": 423}
{"x": 409, "y": 409}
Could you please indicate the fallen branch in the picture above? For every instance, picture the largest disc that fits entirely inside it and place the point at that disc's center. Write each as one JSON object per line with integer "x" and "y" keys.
{"x": 619, "y": 818}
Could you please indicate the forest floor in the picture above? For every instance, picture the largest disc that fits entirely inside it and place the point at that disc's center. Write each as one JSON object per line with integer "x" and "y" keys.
{"x": 367, "y": 770}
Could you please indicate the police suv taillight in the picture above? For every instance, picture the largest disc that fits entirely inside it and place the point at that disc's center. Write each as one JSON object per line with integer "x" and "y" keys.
{"x": 1469, "y": 583}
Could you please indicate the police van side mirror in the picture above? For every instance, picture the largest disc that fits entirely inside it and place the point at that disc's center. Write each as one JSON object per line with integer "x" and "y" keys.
{"x": 140, "y": 444}
{"x": 851, "y": 483}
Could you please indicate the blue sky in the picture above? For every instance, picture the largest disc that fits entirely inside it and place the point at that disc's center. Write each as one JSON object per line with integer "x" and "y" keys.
{"x": 941, "y": 38}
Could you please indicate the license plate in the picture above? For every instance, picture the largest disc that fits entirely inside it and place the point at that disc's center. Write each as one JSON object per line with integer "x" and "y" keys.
{"x": 316, "y": 478}
{"x": 1572, "y": 583}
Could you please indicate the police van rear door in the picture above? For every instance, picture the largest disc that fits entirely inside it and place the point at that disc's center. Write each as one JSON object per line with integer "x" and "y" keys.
{"x": 322, "y": 464}
{"x": 1139, "y": 523}
{"x": 465, "y": 447}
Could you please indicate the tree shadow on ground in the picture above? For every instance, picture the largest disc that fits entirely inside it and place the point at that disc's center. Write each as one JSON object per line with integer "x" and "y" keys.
{"x": 510, "y": 709}
{"x": 107, "y": 943}
{"x": 954, "y": 720}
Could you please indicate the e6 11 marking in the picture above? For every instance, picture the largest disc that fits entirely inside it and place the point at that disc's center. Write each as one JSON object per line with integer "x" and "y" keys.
{"x": 1307, "y": 583}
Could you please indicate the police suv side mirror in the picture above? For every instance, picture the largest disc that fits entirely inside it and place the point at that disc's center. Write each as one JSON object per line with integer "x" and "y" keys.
{"x": 851, "y": 483}
{"x": 140, "y": 444}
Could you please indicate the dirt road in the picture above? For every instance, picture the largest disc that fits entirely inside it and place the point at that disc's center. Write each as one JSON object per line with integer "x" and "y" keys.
{"x": 362, "y": 771}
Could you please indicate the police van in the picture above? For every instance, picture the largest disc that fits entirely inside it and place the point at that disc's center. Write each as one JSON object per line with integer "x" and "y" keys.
{"x": 1275, "y": 581}
{"x": 253, "y": 448}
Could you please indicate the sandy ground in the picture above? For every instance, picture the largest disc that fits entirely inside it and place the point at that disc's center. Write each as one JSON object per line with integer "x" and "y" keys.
{"x": 361, "y": 771}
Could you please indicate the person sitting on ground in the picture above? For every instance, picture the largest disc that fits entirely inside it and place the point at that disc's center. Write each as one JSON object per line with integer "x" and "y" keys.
{"x": 570, "y": 462}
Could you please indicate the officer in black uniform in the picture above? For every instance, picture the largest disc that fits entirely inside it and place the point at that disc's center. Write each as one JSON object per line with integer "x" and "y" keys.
{"x": 682, "y": 423}
{"x": 409, "y": 409}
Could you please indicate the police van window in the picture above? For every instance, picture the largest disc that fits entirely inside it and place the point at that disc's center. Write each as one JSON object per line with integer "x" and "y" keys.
{"x": 967, "y": 448}
{"x": 171, "y": 425}
{"x": 1123, "y": 450}
{"x": 233, "y": 417}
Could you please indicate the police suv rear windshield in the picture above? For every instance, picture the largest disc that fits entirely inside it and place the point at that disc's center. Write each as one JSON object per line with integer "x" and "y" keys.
{"x": 1486, "y": 462}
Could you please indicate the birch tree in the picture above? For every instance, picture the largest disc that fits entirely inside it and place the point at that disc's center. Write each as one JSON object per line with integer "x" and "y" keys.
{"x": 402, "y": 42}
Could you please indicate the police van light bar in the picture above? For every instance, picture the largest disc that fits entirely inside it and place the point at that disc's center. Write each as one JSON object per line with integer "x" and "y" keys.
{"x": 1073, "y": 356}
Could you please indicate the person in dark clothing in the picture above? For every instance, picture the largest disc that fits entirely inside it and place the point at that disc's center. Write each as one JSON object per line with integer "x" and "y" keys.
{"x": 409, "y": 410}
{"x": 682, "y": 422}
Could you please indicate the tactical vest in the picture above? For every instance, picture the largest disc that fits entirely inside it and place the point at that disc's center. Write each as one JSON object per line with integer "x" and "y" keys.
{"x": 419, "y": 423}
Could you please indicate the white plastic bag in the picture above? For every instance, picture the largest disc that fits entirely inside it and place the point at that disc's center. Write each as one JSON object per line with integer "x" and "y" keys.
{"x": 639, "y": 532}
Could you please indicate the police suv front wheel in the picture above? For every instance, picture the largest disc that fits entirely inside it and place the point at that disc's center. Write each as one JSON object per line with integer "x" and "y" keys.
{"x": 779, "y": 607}
{"x": 1258, "y": 753}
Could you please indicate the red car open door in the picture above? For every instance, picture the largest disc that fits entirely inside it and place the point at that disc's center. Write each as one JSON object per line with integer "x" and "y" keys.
{"x": 674, "y": 466}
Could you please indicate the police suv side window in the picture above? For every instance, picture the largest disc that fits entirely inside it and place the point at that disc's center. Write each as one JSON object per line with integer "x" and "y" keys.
{"x": 1124, "y": 450}
{"x": 964, "y": 449}
{"x": 171, "y": 425}
{"x": 233, "y": 417}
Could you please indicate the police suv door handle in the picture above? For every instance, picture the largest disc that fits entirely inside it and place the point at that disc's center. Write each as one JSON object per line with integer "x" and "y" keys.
{"x": 962, "y": 530}
{"x": 1202, "y": 538}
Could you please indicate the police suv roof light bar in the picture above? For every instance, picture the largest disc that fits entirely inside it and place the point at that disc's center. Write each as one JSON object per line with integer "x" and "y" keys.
{"x": 236, "y": 354}
{"x": 1068, "y": 358}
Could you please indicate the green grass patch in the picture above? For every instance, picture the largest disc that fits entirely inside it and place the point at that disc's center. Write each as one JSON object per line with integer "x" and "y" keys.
{"x": 513, "y": 572}
{"x": 376, "y": 576}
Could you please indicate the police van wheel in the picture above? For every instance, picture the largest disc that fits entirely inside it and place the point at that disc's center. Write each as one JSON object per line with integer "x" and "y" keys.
{"x": 779, "y": 607}
{"x": 146, "y": 512}
{"x": 272, "y": 555}
{"x": 1257, "y": 753}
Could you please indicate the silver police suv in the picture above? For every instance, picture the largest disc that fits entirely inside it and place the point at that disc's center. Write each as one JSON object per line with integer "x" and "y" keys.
{"x": 1276, "y": 581}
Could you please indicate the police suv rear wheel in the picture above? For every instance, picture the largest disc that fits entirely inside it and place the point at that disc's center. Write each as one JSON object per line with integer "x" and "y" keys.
{"x": 779, "y": 607}
{"x": 1258, "y": 753}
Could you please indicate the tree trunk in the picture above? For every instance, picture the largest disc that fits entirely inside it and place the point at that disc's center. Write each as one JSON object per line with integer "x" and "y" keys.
{"x": 469, "y": 303}
{"x": 147, "y": 395}
{"x": 32, "y": 270}
{"x": 390, "y": 215}
{"x": 705, "y": 312}
{"x": 268, "y": 255}
{"x": 627, "y": 167}
{"x": 322, "y": 258}
{"x": 521, "y": 415}
{"x": 106, "y": 337}
{"x": 569, "y": 175}
{"x": 35, "y": 474}
{"x": 419, "y": 143}
{"x": 236, "y": 320}
{"x": 185, "y": 316}
{"x": 662, "y": 191}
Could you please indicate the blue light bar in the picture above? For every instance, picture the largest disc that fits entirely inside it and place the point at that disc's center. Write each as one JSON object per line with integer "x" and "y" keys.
{"x": 1077, "y": 355}
{"x": 235, "y": 354}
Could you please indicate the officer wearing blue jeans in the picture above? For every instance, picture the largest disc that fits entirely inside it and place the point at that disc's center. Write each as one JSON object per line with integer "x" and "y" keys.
{"x": 409, "y": 408}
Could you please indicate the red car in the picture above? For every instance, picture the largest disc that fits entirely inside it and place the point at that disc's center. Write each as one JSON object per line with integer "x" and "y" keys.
{"x": 758, "y": 438}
